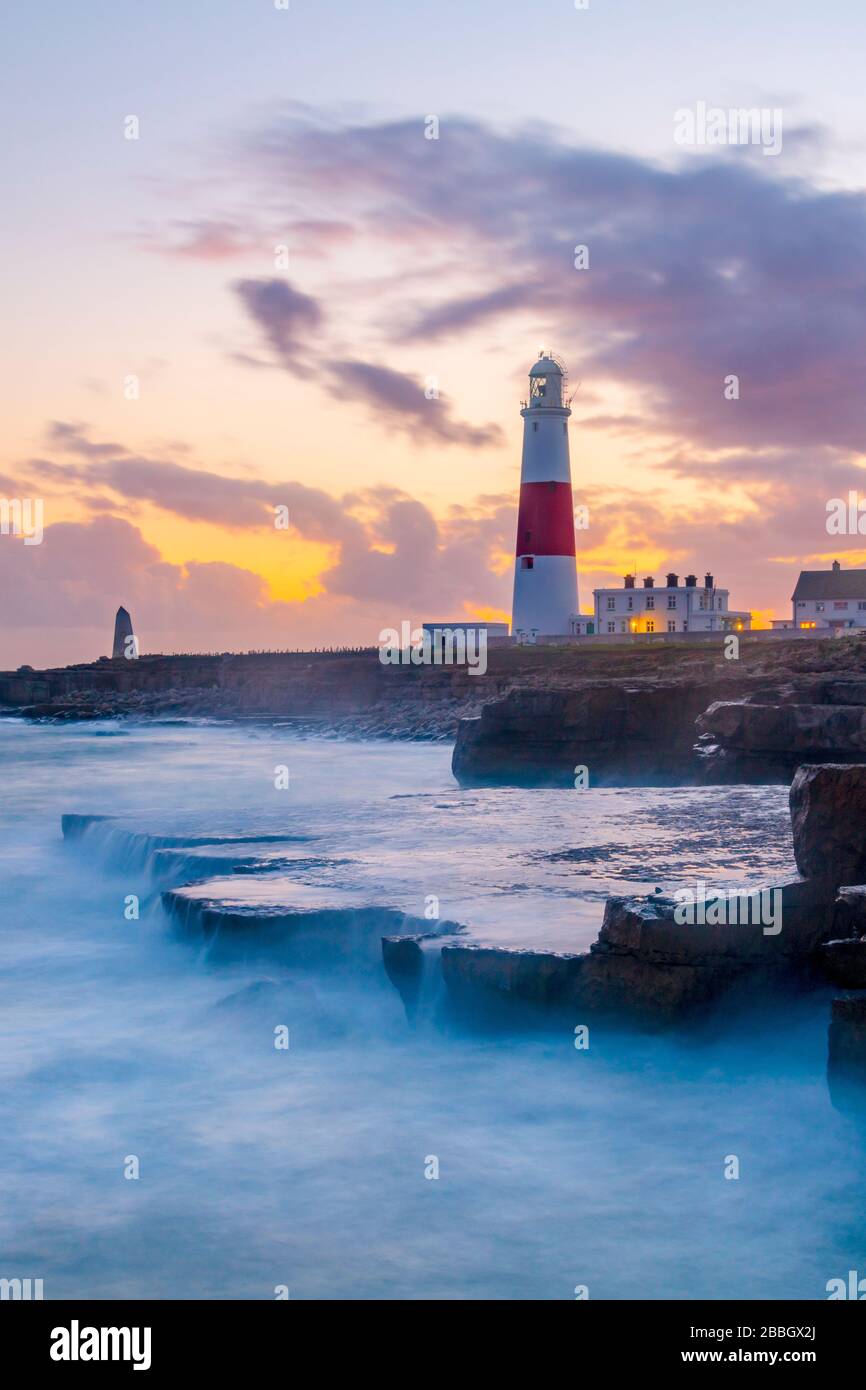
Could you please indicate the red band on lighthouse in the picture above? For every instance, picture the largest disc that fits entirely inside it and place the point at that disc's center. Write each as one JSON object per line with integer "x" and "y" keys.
{"x": 545, "y": 520}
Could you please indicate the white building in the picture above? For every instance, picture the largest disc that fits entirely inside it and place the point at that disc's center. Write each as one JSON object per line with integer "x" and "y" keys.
{"x": 659, "y": 609}
{"x": 830, "y": 598}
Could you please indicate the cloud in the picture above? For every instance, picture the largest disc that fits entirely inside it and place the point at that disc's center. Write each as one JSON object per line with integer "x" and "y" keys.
{"x": 205, "y": 239}
{"x": 283, "y": 314}
{"x": 393, "y": 560}
{"x": 715, "y": 266}
{"x": 398, "y": 398}
{"x": 287, "y": 318}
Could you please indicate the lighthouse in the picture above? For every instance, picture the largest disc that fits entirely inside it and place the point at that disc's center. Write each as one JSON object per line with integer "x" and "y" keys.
{"x": 545, "y": 569}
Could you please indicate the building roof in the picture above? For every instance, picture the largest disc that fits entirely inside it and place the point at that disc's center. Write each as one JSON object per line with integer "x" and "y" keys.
{"x": 830, "y": 584}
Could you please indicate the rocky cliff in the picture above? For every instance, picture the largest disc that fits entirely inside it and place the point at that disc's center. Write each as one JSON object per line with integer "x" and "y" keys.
{"x": 682, "y": 717}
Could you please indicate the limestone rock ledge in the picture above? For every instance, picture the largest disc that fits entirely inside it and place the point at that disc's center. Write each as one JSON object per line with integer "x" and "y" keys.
{"x": 646, "y": 966}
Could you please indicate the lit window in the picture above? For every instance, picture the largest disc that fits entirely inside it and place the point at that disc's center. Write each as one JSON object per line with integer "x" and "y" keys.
{"x": 650, "y": 625}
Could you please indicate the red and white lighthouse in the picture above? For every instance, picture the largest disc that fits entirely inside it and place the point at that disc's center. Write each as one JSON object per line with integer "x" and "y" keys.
{"x": 545, "y": 568}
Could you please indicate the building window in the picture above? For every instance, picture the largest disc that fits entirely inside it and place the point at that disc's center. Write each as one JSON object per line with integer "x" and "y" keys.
{"x": 651, "y": 602}
{"x": 623, "y": 627}
{"x": 703, "y": 601}
{"x": 719, "y": 603}
{"x": 801, "y": 605}
{"x": 861, "y": 606}
{"x": 527, "y": 562}
{"x": 819, "y": 607}
{"x": 611, "y": 605}
{"x": 629, "y": 603}
{"x": 611, "y": 627}
{"x": 838, "y": 606}
{"x": 650, "y": 625}
{"x": 672, "y": 600}
{"x": 672, "y": 627}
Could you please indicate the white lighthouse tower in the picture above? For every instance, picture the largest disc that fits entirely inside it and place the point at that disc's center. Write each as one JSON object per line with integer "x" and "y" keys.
{"x": 545, "y": 569}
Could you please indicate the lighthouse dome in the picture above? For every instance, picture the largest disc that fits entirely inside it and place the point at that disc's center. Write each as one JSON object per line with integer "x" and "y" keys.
{"x": 546, "y": 366}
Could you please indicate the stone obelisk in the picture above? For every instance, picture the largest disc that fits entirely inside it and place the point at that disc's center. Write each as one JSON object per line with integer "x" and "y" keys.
{"x": 122, "y": 631}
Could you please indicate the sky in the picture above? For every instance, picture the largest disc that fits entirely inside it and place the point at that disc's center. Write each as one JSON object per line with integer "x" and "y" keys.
{"x": 283, "y": 294}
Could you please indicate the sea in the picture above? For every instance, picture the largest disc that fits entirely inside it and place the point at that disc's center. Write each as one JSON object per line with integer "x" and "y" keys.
{"x": 157, "y": 1143}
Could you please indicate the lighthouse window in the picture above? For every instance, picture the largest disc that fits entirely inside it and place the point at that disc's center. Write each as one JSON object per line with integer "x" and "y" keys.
{"x": 535, "y": 426}
{"x": 564, "y": 428}
{"x": 527, "y": 562}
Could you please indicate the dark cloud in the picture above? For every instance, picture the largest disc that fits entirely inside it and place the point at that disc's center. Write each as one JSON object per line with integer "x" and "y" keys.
{"x": 288, "y": 319}
{"x": 715, "y": 267}
{"x": 195, "y": 493}
{"x": 399, "y": 399}
{"x": 284, "y": 314}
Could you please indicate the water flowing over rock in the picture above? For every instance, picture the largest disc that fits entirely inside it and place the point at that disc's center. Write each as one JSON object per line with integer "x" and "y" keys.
{"x": 273, "y": 917}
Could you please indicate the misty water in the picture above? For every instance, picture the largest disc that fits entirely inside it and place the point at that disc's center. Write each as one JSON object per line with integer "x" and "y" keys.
{"x": 306, "y": 1168}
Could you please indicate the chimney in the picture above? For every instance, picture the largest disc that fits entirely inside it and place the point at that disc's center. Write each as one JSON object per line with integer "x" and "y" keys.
{"x": 673, "y": 581}
{"x": 708, "y": 581}
{"x": 629, "y": 581}
{"x": 691, "y": 581}
{"x": 649, "y": 582}
{"x": 836, "y": 567}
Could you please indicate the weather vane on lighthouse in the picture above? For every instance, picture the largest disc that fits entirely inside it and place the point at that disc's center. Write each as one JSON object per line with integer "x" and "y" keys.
{"x": 545, "y": 568}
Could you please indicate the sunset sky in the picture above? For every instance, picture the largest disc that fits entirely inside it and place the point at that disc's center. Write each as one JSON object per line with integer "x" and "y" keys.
{"x": 409, "y": 259}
